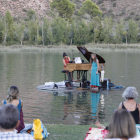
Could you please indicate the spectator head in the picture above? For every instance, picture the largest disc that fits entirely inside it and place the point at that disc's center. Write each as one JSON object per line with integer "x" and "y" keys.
{"x": 130, "y": 93}
{"x": 122, "y": 125}
{"x": 13, "y": 93}
{"x": 9, "y": 116}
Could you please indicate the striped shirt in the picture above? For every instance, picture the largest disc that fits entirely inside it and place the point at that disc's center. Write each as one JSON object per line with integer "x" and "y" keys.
{"x": 15, "y": 136}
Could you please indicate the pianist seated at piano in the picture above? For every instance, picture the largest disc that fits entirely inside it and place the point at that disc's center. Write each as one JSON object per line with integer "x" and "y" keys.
{"x": 66, "y": 59}
{"x": 94, "y": 71}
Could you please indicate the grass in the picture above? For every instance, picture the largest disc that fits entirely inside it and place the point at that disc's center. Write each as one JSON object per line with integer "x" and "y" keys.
{"x": 67, "y": 132}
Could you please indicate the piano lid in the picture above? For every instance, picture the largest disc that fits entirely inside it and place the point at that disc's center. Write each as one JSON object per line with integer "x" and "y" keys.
{"x": 87, "y": 54}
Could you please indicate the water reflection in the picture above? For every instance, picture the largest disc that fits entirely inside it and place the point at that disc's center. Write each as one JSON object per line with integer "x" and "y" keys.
{"x": 80, "y": 107}
{"x": 95, "y": 104}
{"x": 27, "y": 70}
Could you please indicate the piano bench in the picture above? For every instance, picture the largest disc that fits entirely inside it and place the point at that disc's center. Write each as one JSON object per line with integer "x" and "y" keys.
{"x": 63, "y": 71}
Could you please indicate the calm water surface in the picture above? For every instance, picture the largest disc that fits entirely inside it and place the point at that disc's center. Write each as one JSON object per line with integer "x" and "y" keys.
{"x": 27, "y": 70}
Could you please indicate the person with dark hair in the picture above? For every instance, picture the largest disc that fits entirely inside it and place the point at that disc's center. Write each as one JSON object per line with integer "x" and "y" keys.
{"x": 94, "y": 71}
{"x": 122, "y": 126}
{"x": 9, "y": 120}
{"x": 12, "y": 97}
{"x": 129, "y": 94}
{"x": 66, "y": 59}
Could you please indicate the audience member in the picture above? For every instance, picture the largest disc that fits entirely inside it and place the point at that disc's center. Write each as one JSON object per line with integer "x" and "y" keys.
{"x": 122, "y": 126}
{"x": 129, "y": 104}
{"x": 13, "y": 93}
{"x": 9, "y": 120}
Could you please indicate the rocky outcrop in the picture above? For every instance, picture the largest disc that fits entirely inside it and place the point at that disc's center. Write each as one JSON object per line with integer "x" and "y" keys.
{"x": 127, "y": 9}
{"x": 18, "y": 8}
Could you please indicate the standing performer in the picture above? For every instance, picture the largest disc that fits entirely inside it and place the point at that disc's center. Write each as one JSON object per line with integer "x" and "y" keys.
{"x": 94, "y": 71}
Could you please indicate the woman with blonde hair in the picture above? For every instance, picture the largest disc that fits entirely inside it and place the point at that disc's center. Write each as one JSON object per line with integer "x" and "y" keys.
{"x": 122, "y": 126}
{"x": 12, "y": 97}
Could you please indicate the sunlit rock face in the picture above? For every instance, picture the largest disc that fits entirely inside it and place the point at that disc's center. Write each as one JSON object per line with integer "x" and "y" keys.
{"x": 19, "y": 8}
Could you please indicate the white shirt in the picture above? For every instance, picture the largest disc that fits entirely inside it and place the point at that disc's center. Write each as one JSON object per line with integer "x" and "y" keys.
{"x": 15, "y": 136}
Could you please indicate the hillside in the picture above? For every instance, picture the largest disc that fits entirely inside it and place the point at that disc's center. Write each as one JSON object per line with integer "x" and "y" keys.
{"x": 127, "y": 9}
{"x": 18, "y": 8}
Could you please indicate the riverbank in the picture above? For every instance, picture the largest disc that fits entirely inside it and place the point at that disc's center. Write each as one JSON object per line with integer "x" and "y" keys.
{"x": 67, "y": 132}
{"x": 57, "y": 48}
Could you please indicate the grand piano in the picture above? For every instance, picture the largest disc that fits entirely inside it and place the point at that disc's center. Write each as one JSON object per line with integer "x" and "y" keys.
{"x": 82, "y": 68}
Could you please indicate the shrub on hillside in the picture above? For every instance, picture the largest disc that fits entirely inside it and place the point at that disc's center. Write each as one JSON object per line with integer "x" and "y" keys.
{"x": 103, "y": 9}
{"x": 137, "y": 17}
{"x": 127, "y": 18}
{"x": 114, "y": 4}
{"x": 132, "y": 13}
{"x": 24, "y": 10}
{"x": 99, "y": 2}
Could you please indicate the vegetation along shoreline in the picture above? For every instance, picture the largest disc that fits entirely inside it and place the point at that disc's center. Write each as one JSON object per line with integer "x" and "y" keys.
{"x": 96, "y": 47}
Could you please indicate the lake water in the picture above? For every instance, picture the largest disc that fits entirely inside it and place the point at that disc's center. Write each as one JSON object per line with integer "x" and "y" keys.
{"x": 27, "y": 70}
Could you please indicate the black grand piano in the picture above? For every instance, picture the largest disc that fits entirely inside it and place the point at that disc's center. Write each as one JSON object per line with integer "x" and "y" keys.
{"x": 82, "y": 68}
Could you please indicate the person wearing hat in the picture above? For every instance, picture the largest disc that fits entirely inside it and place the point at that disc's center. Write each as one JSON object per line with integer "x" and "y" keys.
{"x": 66, "y": 59}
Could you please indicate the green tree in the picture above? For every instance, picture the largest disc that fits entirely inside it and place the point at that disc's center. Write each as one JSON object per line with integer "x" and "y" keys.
{"x": 95, "y": 29}
{"x": 58, "y": 30}
{"x": 9, "y": 27}
{"x": 82, "y": 33}
{"x": 106, "y": 33}
{"x": 1, "y": 29}
{"x": 125, "y": 33}
{"x": 32, "y": 31}
{"x": 30, "y": 13}
{"x": 119, "y": 31}
{"x": 45, "y": 31}
{"x": 19, "y": 28}
{"x": 88, "y": 7}
{"x": 72, "y": 32}
{"x": 65, "y": 8}
{"x": 133, "y": 31}
{"x": 50, "y": 39}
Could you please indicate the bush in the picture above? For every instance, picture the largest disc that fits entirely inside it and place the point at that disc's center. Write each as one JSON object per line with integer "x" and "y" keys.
{"x": 99, "y": 2}
{"x": 137, "y": 17}
{"x": 114, "y": 4}
{"x": 24, "y": 10}
{"x": 132, "y": 13}
{"x": 76, "y": 13}
{"x": 30, "y": 13}
{"x": 78, "y": 6}
{"x": 127, "y": 18}
{"x": 122, "y": 13}
{"x": 103, "y": 9}
{"x": 110, "y": 11}
{"x": 15, "y": 18}
{"x": 26, "y": 19}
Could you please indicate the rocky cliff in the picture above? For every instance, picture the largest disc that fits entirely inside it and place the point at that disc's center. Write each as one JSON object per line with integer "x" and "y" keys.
{"x": 128, "y": 9}
{"x": 18, "y": 8}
